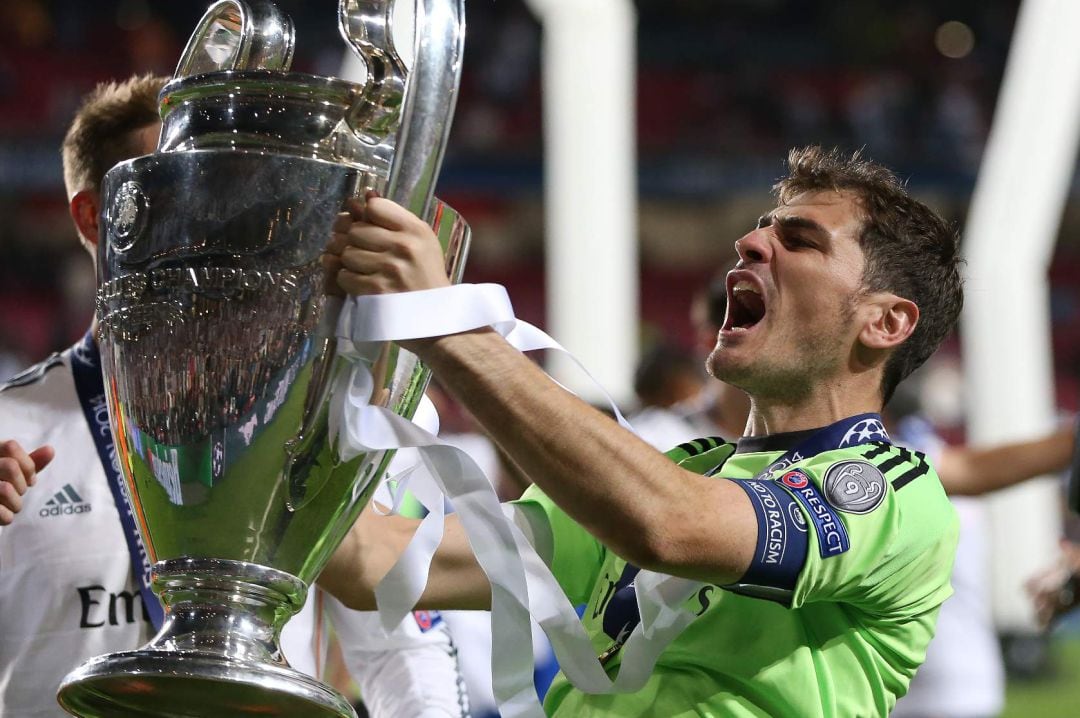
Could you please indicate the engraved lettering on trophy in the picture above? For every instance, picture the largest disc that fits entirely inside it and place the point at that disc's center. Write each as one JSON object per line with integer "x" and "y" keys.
{"x": 221, "y": 283}
{"x": 162, "y": 278}
{"x": 249, "y": 281}
{"x": 127, "y": 289}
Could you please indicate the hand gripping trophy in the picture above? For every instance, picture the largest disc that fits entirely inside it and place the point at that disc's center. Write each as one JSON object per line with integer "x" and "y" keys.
{"x": 218, "y": 341}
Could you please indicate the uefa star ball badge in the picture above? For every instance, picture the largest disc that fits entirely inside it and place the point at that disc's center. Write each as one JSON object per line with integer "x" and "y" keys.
{"x": 864, "y": 431}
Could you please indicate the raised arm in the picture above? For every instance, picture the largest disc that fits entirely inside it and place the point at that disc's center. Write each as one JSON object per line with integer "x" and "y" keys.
{"x": 372, "y": 548}
{"x": 632, "y": 498}
{"x": 624, "y": 492}
{"x": 970, "y": 471}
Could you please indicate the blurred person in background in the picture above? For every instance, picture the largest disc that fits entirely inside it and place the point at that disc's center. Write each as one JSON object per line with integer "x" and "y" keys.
{"x": 678, "y": 400}
{"x": 964, "y": 673}
{"x": 666, "y": 376}
{"x": 720, "y": 408}
{"x": 1055, "y": 591}
{"x": 68, "y": 585}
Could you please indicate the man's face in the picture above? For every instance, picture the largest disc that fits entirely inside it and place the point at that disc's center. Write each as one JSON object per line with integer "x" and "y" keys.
{"x": 792, "y": 298}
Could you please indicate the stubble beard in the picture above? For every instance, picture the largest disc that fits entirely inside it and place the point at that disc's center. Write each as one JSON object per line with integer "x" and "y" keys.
{"x": 764, "y": 378}
{"x": 785, "y": 376}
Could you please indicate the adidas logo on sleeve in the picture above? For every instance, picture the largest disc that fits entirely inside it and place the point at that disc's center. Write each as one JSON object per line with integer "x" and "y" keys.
{"x": 65, "y": 501}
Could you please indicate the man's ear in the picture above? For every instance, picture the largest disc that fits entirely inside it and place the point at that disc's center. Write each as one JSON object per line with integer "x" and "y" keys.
{"x": 892, "y": 321}
{"x": 84, "y": 211}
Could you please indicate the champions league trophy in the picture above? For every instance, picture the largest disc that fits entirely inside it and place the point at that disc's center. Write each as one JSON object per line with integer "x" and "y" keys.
{"x": 218, "y": 341}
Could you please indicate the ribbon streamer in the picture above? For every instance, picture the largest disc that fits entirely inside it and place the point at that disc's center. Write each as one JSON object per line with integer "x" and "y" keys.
{"x": 521, "y": 583}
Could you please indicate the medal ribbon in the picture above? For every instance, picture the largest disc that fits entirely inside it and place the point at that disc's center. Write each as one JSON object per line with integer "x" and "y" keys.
{"x": 90, "y": 388}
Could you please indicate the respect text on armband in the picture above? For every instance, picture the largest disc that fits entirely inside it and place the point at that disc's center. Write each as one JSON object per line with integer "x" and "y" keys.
{"x": 831, "y": 534}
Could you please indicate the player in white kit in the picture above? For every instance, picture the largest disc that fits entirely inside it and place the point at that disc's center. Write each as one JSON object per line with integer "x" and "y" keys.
{"x": 68, "y": 590}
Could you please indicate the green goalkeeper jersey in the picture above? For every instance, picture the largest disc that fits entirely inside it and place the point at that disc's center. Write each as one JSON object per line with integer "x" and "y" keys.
{"x": 854, "y": 554}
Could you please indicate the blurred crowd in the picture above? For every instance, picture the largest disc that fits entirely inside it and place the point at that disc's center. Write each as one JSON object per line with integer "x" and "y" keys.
{"x": 723, "y": 90}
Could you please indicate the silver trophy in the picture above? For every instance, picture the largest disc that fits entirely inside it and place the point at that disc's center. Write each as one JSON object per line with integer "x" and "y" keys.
{"x": 218, "y": 350}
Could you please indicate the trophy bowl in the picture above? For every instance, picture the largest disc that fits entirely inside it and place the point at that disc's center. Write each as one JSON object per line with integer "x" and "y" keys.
{"x": 217, "y": 334}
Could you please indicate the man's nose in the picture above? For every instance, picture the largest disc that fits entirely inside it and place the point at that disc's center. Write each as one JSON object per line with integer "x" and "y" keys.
{"x": 755, "y": 246}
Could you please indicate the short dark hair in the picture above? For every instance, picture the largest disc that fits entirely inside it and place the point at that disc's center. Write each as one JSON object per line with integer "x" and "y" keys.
{"x": 715, "y": 297}
{"x": 659, "y": 367}
{"x": 909, "y": 250}
{"x": 100, "y": 133}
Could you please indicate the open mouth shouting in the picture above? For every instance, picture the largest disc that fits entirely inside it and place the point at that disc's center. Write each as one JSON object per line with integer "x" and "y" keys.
{"x": 746, "y": 303}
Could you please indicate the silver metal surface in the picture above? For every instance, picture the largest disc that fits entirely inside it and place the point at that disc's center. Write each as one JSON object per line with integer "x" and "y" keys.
{"x": 433, "y": 83}
{"x": 366, "y": 26}
{"x": 235, "y": 35}
{"x": 219, "y": 354}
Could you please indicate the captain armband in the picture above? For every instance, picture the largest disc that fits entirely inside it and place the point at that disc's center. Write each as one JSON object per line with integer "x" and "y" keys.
{"x": 781, "y": 543}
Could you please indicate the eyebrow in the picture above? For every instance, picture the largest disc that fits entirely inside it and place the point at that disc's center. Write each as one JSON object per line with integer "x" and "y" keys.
{"x": 793, "y": 222}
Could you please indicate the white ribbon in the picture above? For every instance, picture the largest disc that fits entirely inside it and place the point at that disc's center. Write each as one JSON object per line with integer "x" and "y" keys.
{"x": 521, "y": 583}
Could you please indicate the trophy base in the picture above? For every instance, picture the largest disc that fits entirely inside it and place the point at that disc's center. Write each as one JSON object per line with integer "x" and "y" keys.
{"x": 173, "y": 684}
{"x": 217, "y": 654}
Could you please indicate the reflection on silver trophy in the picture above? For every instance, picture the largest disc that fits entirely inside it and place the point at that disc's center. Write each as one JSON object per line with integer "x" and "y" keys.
{"x": 218, "y": 346}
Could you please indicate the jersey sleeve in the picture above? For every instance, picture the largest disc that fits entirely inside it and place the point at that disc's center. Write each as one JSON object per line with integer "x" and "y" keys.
{"x": 573, "y": 554}
{"x": 881, "y": 534}
{"x": 781, "y": 546}
{"x": 411, "y": 671}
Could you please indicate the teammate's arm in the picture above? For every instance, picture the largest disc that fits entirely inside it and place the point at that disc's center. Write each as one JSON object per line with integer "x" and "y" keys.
{"x": 374, "y": 545}
{"x": 970, "y": 471}
{"x": 625, "y": 493}
{"x": 1055, "y": 591}
{"x": 18, "y": 472}
{"x": 410, "y": 671}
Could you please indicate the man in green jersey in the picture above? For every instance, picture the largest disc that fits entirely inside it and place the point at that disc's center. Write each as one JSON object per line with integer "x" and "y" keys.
{"x": 824, "y": 550}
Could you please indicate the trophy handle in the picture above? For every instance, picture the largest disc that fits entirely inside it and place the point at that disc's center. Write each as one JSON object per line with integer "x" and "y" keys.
{"x": 366, "y": 26}
{"x": 238, "y": 35}
{"x": 430, "y": 89}
{"x": 303, "y": 447}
